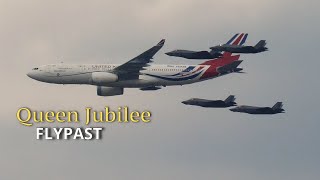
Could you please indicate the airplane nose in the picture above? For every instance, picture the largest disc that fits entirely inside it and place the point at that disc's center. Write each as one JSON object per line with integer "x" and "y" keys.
{"x": 184, "y": 102}
{"x": 31, "y": 75}
{"x": 168, "y": 53}
{"x": 233, "y": 109}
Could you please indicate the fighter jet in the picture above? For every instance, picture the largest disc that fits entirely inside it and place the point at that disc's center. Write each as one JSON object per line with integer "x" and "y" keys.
{"x": 194, "y": 54}
{"x": 277, "y": 108}
{"x": 259, "y": 47}
{"x": 211, "y": 103}
{"x": 205, "y": 54}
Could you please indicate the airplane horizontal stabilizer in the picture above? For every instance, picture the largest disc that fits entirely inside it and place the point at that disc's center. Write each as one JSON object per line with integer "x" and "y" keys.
{"x": 229, "y": 67}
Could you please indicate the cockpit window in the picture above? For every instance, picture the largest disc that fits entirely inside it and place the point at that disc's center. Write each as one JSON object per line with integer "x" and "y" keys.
{"x": 35, "y": 68}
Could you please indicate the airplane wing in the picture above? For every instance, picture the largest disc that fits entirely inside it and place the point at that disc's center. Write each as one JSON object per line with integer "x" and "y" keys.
{"x": 229, "y": 67}
{"x": 131, "y": 69}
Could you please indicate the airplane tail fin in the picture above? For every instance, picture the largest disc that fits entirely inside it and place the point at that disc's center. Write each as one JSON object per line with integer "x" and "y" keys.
{"x": 233, "y": 38}
{"x": 244, "y": 39}
{"x": 230, "y": 99}
{"x": 237, "y": 39}
{"x": 227, "y": 57}
{"x": 261, "y": 44}
{"x": 277, "y": 106}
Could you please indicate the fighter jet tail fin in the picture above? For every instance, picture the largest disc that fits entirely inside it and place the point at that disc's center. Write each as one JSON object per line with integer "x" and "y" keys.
{"x": 277, "y": 106}
{"x": 230, "y": 99}
{"x": 261, "y": 44}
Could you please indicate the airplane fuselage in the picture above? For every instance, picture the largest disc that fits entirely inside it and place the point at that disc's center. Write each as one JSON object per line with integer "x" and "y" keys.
{"x": 256, "y": 110}
{"x": 239, "y": 49}
{"x": 154, "y": 75}
{"x": 209, "y": 103}
{"x": 194, "y": 54}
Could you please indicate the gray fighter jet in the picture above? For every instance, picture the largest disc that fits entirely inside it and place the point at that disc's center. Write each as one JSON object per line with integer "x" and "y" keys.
{"x": 259, "y": 47}
{"x": 211, "y": 103}
{"x": 194, "y": 54}
{"x": 237, "y": 39}
{"x": 277, "y": 108}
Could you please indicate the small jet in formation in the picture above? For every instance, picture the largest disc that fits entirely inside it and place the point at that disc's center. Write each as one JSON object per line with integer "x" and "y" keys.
{"x": 195, "y": 54}
{"x": 236, "y": 39}
{"x": 212, "y": 103}
{"x": 277, "y": 108}
{"x": 240, "y": 48}
{"x": 234, "y": 45}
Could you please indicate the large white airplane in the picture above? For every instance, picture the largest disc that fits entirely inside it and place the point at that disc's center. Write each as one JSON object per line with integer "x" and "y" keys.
{"x": 111, "y": 79}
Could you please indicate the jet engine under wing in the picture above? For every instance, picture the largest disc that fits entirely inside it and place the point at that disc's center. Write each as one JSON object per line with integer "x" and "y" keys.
{"x": 229, "y": 67}
{"x": 132, "y": 68}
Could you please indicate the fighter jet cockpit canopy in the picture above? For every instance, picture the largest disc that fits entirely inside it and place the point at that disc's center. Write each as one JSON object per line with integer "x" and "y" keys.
{"x": 35, "y": 68}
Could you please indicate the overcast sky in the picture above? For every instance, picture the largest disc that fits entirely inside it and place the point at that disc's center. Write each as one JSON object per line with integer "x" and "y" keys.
{"x": 181, "y": 142}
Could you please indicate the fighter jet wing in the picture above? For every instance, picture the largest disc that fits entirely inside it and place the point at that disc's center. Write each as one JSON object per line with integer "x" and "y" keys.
{"x": 229, "y": 67}
{"x": 132, "y": 68}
